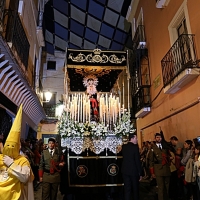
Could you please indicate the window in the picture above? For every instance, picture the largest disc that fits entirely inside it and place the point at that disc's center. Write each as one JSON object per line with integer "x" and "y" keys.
{"x": 137, "y": 23}
{"x": 51, "y": 65}
{"x": 182, "y": 28}
{"x": 50, "y": 107}
{"x": 179, "y": 24}
{"x": 184, "y": 44}
{"x": 140, "y": 18}
{"x": 133, "y": 26}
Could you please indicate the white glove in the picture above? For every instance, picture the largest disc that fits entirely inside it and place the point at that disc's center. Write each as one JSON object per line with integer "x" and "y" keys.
{"x": 8, "y": 161}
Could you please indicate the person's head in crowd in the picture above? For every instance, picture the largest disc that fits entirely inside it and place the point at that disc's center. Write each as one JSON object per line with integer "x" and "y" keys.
{"x": 1, "y": 136}
{"x": 174, "y": 140}
{"x": 146, "y": 143}
{"x": 40, "y": 141}
{"x": 22, "y": 140}
{"x": 133, "y": 138}
{"x": 170, "y": 147}
{"x": 28, "y": 142}
{"x": 143, "y": 144}
{"x": 197, "y": 150}
{"x": 45, "y": 146}
{"x": 51, "y": 143}
{"x": 179, "y": 151}
{"x": 56, "y": 144}
{"x": 188, "y": 144}
{"x": 149, "y": 145}
{"x": 35, "y": 147}
{"x": 195, "y": 142}
{"x": 158, "y": 138}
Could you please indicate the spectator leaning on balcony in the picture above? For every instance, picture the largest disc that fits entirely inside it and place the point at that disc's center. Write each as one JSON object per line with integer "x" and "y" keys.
{"x": 15, "y": 172}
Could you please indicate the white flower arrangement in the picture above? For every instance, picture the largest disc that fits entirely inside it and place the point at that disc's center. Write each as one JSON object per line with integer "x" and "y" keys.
{"x": 124, "y": 127}
{"x": 69, "y": 128}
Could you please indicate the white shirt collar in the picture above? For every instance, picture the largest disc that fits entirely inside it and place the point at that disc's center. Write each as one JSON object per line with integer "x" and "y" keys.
{"x": 159, "y": 145}
{"x": 51, "y": 150}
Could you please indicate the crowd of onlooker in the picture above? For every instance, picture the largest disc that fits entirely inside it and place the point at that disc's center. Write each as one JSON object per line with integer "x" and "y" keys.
{"x": 184, "y": 166}
{"x": 32, "y": 150}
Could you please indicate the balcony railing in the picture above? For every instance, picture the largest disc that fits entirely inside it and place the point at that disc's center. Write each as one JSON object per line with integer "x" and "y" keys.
{"x": 139, "y": 38}
{"x": 139, "y": 70}
{"x": 141, "y": 99}
{"x": 50, "y": 110}
{"x": 16, "y": 35}
{"x": 182, "y": 55}
{"x": 2, "y": 7}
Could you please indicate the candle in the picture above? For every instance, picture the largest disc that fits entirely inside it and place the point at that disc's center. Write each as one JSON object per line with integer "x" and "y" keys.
{"x": 89, "y": 110}
{"x": 78, "y": 113}
{"x": 80, "y": 107}
{"x": 83, "y": 110}
{"x": 106, "y": 110}
{"x": 119, "y": 110}
{"x": 86, "y": 110}
{"x": 101, "y": 112}
{"x": 104, "y": 117}
{"x": 128, "y": 96}
{"x": 113, "y": 113}
{"x": 123, "y": 93}
{"x": 72, "y": 111}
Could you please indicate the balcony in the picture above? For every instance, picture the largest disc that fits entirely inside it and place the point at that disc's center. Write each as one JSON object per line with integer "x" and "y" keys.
{"x": 2, "y": 5}
{"x": 179, "y": 64}
{"x": 50, "y": 110}
{"x": 16, "y": 37}
{"x": 140, "y": 74}
{"x": 141, "y": 102}
{"x": 139, "y": 41}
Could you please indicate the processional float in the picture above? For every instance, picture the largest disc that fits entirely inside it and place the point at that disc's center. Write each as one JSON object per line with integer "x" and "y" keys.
{"x": 96, "y": 113}
{"x": 96, "y": 116}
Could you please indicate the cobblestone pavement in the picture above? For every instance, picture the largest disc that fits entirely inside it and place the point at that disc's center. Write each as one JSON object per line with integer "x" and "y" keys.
{"x": 147, "y": 192}
{"x": 38, "y": 194}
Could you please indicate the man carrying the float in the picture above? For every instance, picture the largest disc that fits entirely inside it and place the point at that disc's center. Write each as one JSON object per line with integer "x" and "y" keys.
{"x": 15, "y": 172}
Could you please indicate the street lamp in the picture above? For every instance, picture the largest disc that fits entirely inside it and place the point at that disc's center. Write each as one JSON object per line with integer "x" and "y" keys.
{"x": 48, "y": 96}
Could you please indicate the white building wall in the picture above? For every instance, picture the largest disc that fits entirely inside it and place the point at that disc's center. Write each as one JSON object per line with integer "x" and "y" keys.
{"x": 53, "y": 80}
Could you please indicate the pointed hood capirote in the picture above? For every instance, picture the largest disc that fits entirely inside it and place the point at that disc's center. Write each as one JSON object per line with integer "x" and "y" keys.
{"x": 12, "y": 144}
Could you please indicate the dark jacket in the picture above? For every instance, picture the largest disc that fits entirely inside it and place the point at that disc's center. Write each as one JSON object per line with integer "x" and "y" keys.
{"x": 131, "y": 164}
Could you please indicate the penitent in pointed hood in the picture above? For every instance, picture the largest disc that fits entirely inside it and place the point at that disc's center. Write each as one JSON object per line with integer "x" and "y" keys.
{"x": 12, "y": 144}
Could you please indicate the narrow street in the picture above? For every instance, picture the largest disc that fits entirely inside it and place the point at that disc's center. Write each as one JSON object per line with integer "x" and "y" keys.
{"x": 147, "y": 192}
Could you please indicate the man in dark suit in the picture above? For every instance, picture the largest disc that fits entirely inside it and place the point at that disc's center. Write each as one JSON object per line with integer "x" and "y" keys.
{"x": 159, "y": 161}
{"x": 131, "y": 168}
{"x": 49, "y": 171}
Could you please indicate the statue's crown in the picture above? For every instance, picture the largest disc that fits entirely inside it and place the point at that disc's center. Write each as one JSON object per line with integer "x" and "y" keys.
{"x": 97, "y": 51}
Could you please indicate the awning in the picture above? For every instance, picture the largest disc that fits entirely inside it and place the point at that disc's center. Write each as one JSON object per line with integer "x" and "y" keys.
{"x": 15, "y": 87}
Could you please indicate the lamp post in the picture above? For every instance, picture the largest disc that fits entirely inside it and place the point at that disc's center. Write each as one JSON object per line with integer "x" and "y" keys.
{"x": 48, "y": 96}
